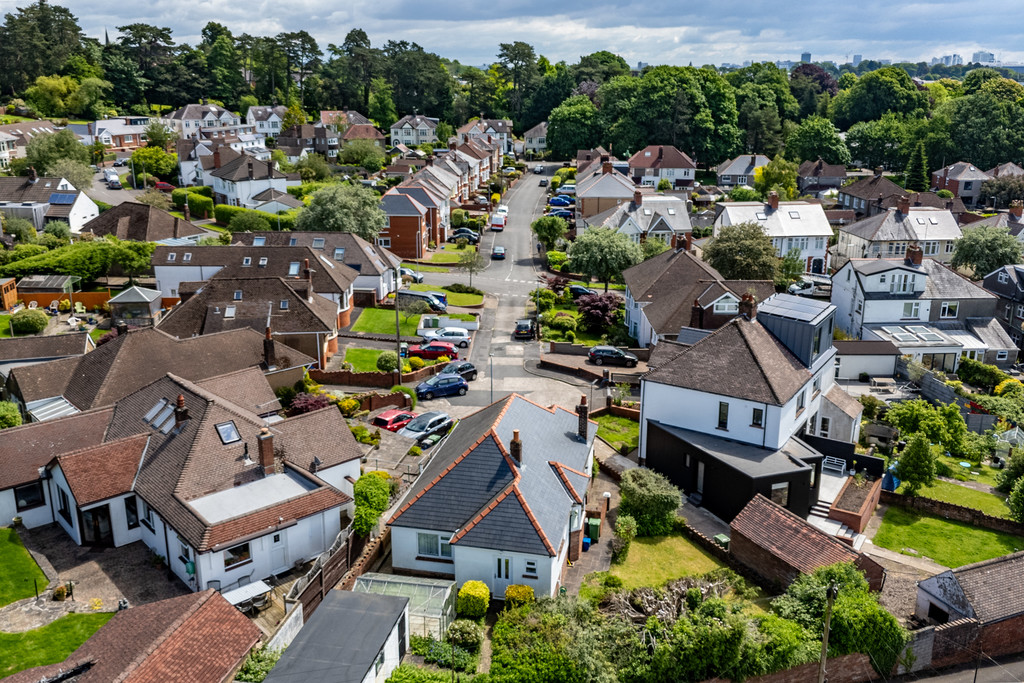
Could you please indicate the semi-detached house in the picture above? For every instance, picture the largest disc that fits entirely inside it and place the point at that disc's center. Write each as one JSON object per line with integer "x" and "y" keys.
{"x": 889, "y": 233}
{"x": 790, "y": 225}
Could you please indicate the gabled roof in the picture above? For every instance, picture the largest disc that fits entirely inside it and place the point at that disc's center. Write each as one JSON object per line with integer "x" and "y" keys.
{"x": 872, "y": 188}
{"x": 47, "y": 346}
{"x": 1007, "y": 169}
{"x": 199, "y": 111}
{"x": 919, "y": 224}
{"x": 1004, "y": 219}
{"x": 961, "y": 170}
{"x": 362, "y": 131}
{"x": 329, "y": 116}
{"x": 24, "y": 131}
{"x": 1013, "y": 288}
{"x": 264, "y": 112}
{"x": 741, "y": 359}
{"x": 995, "y": 588}
{"x": 136, "y": 295}
{"x": 24, "y": 449}
{"x": 941, "y": 282}
{"x": 140, "y": 223}
{"x": 396, "y": 203}
{"x": 654, "y": 213}
{"x": 744, "y": 164}
{"x": 245, "y": 167}
{"x": 819, "y": 169}
{"x": 247, "y": 388}
{"x": 605, "y": 185}
{"x": 927, "y": 199}
{"x": 362, "y": 256}
{"x": 660, "y": 156}
{"x": 272, "y": 195}
{"x": 21, "y": 189}
{"x": 415, "y": 121}
{"x": 791, "y": 219}
{"x": 538, "y": 131}
{"x": 105, "y": 470}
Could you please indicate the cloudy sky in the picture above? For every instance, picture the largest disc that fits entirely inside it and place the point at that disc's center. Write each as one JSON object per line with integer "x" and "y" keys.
{"x": 653, "y": 31}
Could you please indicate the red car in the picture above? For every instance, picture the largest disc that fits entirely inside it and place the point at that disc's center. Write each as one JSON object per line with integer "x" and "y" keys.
{"x": 164, "y": 187}
{"x": 393, "y": 420}
{"x": 434, "y": 349}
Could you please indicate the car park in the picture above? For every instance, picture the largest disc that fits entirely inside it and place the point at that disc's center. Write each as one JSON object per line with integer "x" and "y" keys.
{"x": 560, "y": 213}
{"x": 393, "y": 420}
{"x": 576, "y": 291}
{"x": 164, "y": 187}
{"x": 434, "y": 349}
{"x": 442, "y": 385}
{"x": 410, "y": 273}
{"x": 609, "y": 355}
{"x": 427, "y": 425}
{"x": 463, "y": 368}
{"x": 498, "y": 253}
{"x": 454, "y": 335}
{"x": 524, "y": 329}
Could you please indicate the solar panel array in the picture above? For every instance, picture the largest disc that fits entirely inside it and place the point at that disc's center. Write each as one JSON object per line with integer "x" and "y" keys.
{"x": 796, "y": 308}
{"x": 62, "y": 198}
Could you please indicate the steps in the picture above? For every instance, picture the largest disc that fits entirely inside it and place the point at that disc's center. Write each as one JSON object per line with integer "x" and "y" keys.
{"x": 820, "y": 509}
{"x": 695, "y": 499}
{"x": 819, "y": 519}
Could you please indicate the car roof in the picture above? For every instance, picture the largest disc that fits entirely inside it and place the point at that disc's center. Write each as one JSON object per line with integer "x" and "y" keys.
{"x": 395, "y": 411}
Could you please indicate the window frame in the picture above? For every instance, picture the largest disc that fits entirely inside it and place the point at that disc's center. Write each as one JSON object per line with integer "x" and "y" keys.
{"x": 38, "y": 486}
{"x": 64, "y": 504}
{"x": 946, "y": 306}
{"x": 242, "y": 561}
{"x": 131, "y": 511}
{"x": 824, "y": 426}
{"x": 782, "y": 486}
{"x": 757, "y": 418}
{"x": 723, "y": 415}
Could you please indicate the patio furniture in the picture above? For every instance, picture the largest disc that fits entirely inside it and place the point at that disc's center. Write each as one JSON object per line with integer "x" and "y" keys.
{"x": 246, "y": 593}
{"x": 244, "y": 606}
{"x": 243, "y": 580}
{"x": 215, "y": 585}
{"x": 80, "y": 308}
{"x": 33, "y": 305}
{"x": 260, "y": 602}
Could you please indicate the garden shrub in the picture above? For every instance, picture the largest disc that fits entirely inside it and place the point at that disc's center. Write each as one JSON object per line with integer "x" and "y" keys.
{"x": 29, "y": 321}
{"x": 473, "y": 600}
{"x": 570, "y": 336}
{"x": 543, "y": 298}
{"x": 466, "y": 634}
{"x": 871, "y": 405}
{"x": 348, "y": 406}
{"x": 415, "y": 451}
{"x": 557, "y": 258}
{"x": 199, "y": 206}
{"x": 416, "y": 363}
{"x": 387, "y": 361}
{"x": 10, "y": 416}
{"x": 307, "y": 403}
{"x": 461, "y": 243}
{"x": 458, "y": 218}
{"x": 258, "y": 664}
{"x": 563, "y": 321}
{"x": 443, "y": 360}
{"x": 459, "y": 288}
{"x": 651, "y": 499}
{"x": 1013, "y": 471}
{"x": 408, "y": 391}
{"x": 980, "y": 374}
{"x": 517, "y": 595}
{"x": 372, "y": 494}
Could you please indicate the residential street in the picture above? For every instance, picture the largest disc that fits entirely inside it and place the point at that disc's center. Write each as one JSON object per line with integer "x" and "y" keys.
{"x": 100, "y": 192}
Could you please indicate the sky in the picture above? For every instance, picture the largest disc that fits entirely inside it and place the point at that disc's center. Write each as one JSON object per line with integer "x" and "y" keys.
{"x": 652, "y": 31}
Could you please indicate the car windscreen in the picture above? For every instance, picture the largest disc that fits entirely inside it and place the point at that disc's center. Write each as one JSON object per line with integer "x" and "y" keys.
{"x": 432, "y": 381}
{"x": 419, "y": 424}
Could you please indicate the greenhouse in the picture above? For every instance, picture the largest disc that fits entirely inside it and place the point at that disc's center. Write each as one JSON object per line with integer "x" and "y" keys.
{"x": 431, "y": 601}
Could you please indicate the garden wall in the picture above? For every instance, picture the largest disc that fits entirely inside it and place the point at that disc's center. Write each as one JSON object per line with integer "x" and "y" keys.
{"x": 957, "y": 513}
{"x": 618, "y": 411}
{"x": 954, "y": 642}
{"x": 856, "y": 519}
{"x": 372, "y": 379}
{"x": 846, "y": 669}
{"x": 377, "y": 401}
{"x": 371, "y": 552}
{"x": 570, "y": 349}
{"x": 88, "y": 299}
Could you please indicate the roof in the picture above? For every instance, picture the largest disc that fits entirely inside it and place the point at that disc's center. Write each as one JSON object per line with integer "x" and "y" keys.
{"x": 245, "y": 167}
{"x": 961, "y": 170}
{"x": 1007, "y": 169}
{"x": 660, "y": 156}
{"x": 415, "y": 121}
{"x": 140, "y": 223}
{"x": 20, "y": 189}
{"x": 819, "y": 169}
{"x": 318, "y": 655}
{"x": 45, "y": 346}
{"x": 264, "y": 112}
{"x": 24, "y": 131}
{"x": 362, "y": 256}
{"x": 857, "y": 347}
{"x": 362, "y": 131}
{"x": 272, "y": 195}
{"x": 396, "y": 203}
{"x": 194, "y": 637}
{"x": 1004, "y": 219}
{"x": 54, "y": 283}
{"x": 844, "y": 402}
{"x": 744, "y": 164}
{"x": 741, "y": 359}
{"x": 919, "y": 224}
{"x": 788, "y": 537}
{"x": 995, "y": 588}
{"x": 104, "y": 470}
{"x": 941, "y": 282}
{"x": 655, "y": 213}
{"x": 605, "y": 185}
{"x": 473, "y": 488}
{"x": 872, "y": 188}
{"x": 927, "y": 199}
{"x": 329, "y": 117}
{"x": 136, "y": 295}
{"x": 199, "y": 111}
{"x": 538, "y": 131}
{"x": 24, "y": 449}
{"x": 753, "y": 460}
{"x": 791, "y": 219}
{"x": 247, "y": 388}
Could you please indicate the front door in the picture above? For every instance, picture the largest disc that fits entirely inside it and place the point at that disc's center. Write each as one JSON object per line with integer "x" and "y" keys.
{"x": 502, "y": 574}
{"x": 278, "y": 552}
{"x": 96, "y": 528}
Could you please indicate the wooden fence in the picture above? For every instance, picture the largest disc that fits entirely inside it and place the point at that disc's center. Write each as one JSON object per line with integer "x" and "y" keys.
{"x": 326, "y": 572}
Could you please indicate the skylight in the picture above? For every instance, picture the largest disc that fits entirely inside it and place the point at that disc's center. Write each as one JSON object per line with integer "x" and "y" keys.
{"x": 794, "y": 214}
{"x": 318, "y": 242}
{"x": 933, "y": 221}
{"x": 263, "y": 262}
{"x": 920, "y": 221}
{"x": 247, "y": 261}
{"x": 229, "y": 311}
{"x": 228, "y": 433}
{"x": 259, "y": 241}
{"x": 761, "y": 216}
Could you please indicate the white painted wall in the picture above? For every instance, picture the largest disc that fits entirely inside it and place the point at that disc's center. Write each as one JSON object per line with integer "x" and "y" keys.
{"x": 56, "y": 481}
{"x": 405, "y": 548}
{"x": 82, "y": 211}
{"x": 118, "y": 520}
{"x": 171, "y": 274}
{"x": 32, "y": 517}
{"x": 335, "y": 476}
{"x": 850, "y": 367}
{"x": 391, "y": 652}
{"x": 480, "y": 564}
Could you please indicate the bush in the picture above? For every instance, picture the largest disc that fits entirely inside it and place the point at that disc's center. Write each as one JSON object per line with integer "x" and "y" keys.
{"x": 29, "y": 321}
{"x": 307, "y": 403}
{"x": 415, "y": 451}
{"x": 200, "y": 206}
{"x": 387, "y": 361}
{"x": 473, "y": 600}
{"x": 979, "y": 374}
{"x": 458, "y": 218}
{"x": 517, "y": 595}
{"x": 557, "y": 258}
{"x": 570, "y": 336}
{"x": 544, "y": 299}
{"x": 625, "y": 528}
{"x": 348, "y": 406}
{"x": 372, "y": 494}
{"x": 562, "y": 321}
{"x": 443, "y": 360}
{"x": 463, "y": 289}
{"x": 411, "y": 393}
{"x": 416, "y": 363}
{"x": 258, "y": 664}
{"x": 461, "y": 243}
{"x": 651, "y": 499}
{"x": 466, "y": 634}
{"x": 620, "y": 550}
{"x": 871, "y": 406}
{"x": 1016, "y": 501}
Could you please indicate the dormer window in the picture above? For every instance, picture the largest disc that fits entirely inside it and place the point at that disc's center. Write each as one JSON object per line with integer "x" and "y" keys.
{"x": 1003, "y": 278}
{"x": 246, "y": 262}
{"x": 228, "y": 432}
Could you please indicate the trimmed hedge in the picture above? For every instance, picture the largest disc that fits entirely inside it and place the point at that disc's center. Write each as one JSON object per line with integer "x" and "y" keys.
{"x": 224, "y": 213}
{"x": 199, "y": 206}
{"x": 179, "y": 194}
{"x": 517, "y": 595}
{"x": 474, "y": 597}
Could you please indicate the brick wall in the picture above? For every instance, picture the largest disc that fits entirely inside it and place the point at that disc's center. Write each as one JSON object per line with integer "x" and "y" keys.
{"x": 846, "y": 669}
{"x": 954, "y": 642}
{"x": 371, "y": 379}
{"x": 954, "y": 512}
{"x": 1003, "y": 637}
{"x": 371, "y": 553}
{"x": 856, "y": 519}
{"x": 629, "y": 413}
{"x": 873, "y": 572}
{"x": 918, "y": 651}
{"x": 377, "y": 401}
{"x": 772, "y": 568}
{"x": 580, "y": 350}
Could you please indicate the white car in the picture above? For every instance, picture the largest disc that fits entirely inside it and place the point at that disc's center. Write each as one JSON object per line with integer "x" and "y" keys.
{"x": 567, "y": 189}
{"x": 502, "y": 209}
{"x": 538, "y": 169}
{"x": 455, "y": 335}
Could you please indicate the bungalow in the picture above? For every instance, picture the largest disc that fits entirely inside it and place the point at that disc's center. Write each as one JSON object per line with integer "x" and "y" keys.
{"x": 790, "y": 225}
{"x": 122, "y": 134}
{"x": 655, "y": 163}
{"x": 816, "y": 177}
{"x": 43, "y": 200}
{"x": 656, "y": 217}
{"x": 502, "y": 499}
{"x": 21, "y": 351}
{"x": 739, "y": 171}
{"x": 142, "y": 223}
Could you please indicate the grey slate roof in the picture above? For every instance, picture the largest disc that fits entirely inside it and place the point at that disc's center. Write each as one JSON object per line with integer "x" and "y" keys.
{"x": 690, "y": 335}
{"x": 360, "y": 255}
{"x": 1013, "y": 288}
{"x": 995, "y": 588}
{"x": 919, "y": 225}
{"x": 856, "y": 347}
{"x": 655, "y": 213}
{"x": 941, "y": 282}
{"x": 753, "y": 460}
{"x": 136, "y": 295}
{"x": 272, "y": 195}
{"x": 744, "y": 164}
{"x": 961, "y": 170}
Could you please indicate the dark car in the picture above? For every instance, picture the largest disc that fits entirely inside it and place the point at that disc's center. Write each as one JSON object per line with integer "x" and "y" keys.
{"x": 498, "y": 253}
{"x": 120, "y": 162}
{"x": 428, "y": 424}
{"x": 560, "y": 213}
{"x": 409, "y": 272}
{"x": 114, "y": 185}
{"x": 434, "y": 349}
{"x": 524, "y": 329}
{"x": 560, "y": 200}
{"x": 468, "y": 235}
{"x": 576, "y": 291}
{"x": 599, "y": 355}
{"x": 393, "y": 420}
{"x": 442, "y": 385}
{"x": 543, "y": 182}
{"x": 463, "y": 368}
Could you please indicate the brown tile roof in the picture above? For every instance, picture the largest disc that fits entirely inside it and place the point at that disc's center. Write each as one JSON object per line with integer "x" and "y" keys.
{"x": 362, "y": 131}
{"x": 362, "y": 256}
{"x": 48, "y": 346}
{"x": 994, "y": 587}
{"x": 318, "y": 434}
{"x": 872, "y": 188}
{"x": 24, "y": 449}
{"x": 841, "y": 215}
{"x": 19, "y": 189}
{"x": 105, "y": 470}
{"x": 788, "y": 537}
{"x": 247, "y": 388}
{"x": 858, "y": 347}
{"x": 660, "y": 156}
{"x": 242, "y": 167}
{"x": 819, "y": 169}
{"x": 140, "y": 223}
{"x": 740, "y": 359}
{"x": 928, "y": 199}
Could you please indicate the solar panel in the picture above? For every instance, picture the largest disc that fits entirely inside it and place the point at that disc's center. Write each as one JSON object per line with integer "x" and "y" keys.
{"x": 62, "y": 198}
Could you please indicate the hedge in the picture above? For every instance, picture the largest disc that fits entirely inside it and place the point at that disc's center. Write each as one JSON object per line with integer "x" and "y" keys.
{"x": 178, "y": 195}
{"x": 224, "y": 213}
{"x": 518, "y": 594}
{"x": 199, "y": 206}
{"x": 474, "y": 597}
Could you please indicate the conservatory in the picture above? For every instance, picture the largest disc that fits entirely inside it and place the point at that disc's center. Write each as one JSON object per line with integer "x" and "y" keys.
{"x": 431, "y": 601}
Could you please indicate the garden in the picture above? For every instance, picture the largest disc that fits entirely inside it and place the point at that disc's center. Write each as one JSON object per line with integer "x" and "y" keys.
{"x": 589, "y": 320}
{"x": 450, "y": 253}
{"x": 21, "y": 575}
{"x": 382, "y": 321}
{"x": 618, "y": 431}
{"x": 369, "y": 360}
{"x": 48, "y": 644}
{"x": 950, "y": 543}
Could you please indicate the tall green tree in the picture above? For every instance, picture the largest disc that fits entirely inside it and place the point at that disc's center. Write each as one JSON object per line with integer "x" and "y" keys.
{"x": 519, "y": 64}
{"x": 759, "y": 119}
{"x": 573, "y": 125}
{"x": 742, "y": 252}
{"x": 777, "y": 175}
{"x": 917, "y": 170}
{"x": 224, "y": 68}
{"x": 879, "y": 143}
{"x": 159, "y": 136}
{"x": 916, "y": 466}
{"x": 603, "y": 253}
{"x": 343, "y": 208}
{"x": 43, "y": 151}
{"x": 817, "y": 137}
{"x": 36, "y": 40}
{"x": 1003, "y": 189}
{"x": 985, "y": 249}
{"x": 75, "y": 172}
{"x": 599, "y": 67}
{"x": 888, "y": 89}
{"x": 382, "y": 105}
{"x": 154, "y": 161}
{"x": 549, "y": 229}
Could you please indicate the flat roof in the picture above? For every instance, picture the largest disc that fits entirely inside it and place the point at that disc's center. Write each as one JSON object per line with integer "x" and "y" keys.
{"x": 241, "y": 500}
{"x": 794, "y": 307}
{"x": 752, "y": 460}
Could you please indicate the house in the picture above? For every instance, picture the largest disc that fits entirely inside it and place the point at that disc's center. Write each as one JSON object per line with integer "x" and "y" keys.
{"x": 42, "y": 200}
{"x": 339, "y": 119}
{"x": 655, "y": 163}
{"x": 677, "y": 289}
{"x": 377, "y": 628}
{"x": 816, "y": 177}
{"x": 8, "y": 150}
{"x": 722, "y": 418}
{"x": 1007, "y": 169}
{"x": 1007, "y": 283}
{"x": 134, "y": 358}
{"x": 739, "y": 171}
{"x": 123, "y": 134}
{"x": 189, "y": 120}
{"x": 601, "y": 188}
{"x": 266, "y": 120}
{"x": 889, "y": 233}
{"x": 136, "y": 306}
{"x": 275, "y": 201}
{"x": 142, "y": 223}
{"x": 405, "y": 232}
{"x": 537, "y": 138}
{"x": 194, "y": 637}
{"x": 926, "y": 309}
{"x": 21, "y": 351}
{"x": 414, "y": 130}
{"x": 309, "y": 138}
{"x": 24, "y": 132}
{"x": 864, "y": 196}
{"x": 196, "y": 160}
{"x": 955, "y": 205}
{"x": 796, "y": 225}
{"x": 654, "y": 217}
{"x": 779, "y": 546}
{"x": 374, "y": 265}
{"x": 363, "y": 131}
{"x": 491, "y": 130}
{"x": 435, "y": 199}
{"x": 989, "y": 593}
{"x": 1011, "y": 220}
{"x": 963, "y": 180}
{"x": 502, "y": 499}
{"x": 858, "y": 357}
{"x": 239, "y": 181}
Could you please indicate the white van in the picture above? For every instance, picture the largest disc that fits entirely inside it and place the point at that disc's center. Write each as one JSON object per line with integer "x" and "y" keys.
{"x": 567, "y": 189}
{"x": 498, "y": 222}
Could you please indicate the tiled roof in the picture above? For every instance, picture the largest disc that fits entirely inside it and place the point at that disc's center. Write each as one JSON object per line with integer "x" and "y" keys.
{"x": 1007, "y": 169}
{"x": 140, "y": 223}
{"x": 272, "y": 195}
{"x": 660, "y": 156}
{"x": 351, "y": 117}
{"x": 247, "y": 388}
{"x": 20, "y": 189}
{"x": 224, "y": 535}
{"x": 788, "y": 537}
{"x": 362, "y": 131}
{"x": 24, "y": 449}
{"x": 858, "y": 347}
{"x": 24, "y": 131}
{"x": 844, "y": 402}
{"x": 927, "y": 199}
{"x": 415, "y": 121}
{"x": 654, "y": 213}
{"x": 920, "y": 224}
{"x": 819, "y": 169}
{"x": 538, "y": 131}
{"x": 105, "y": 470}
{"x": 244, "y": 167}
{"x": 1004, "y": 219}
{"x": 396, "y": 203}
{"x": 744, "y": 164}
{"x": 264, "y": 112}
{"x": 362, "y": 256}
{"x": 48, "y": 346}
{"x": 994, "y": 587}
{"x": 961, "y": 170}
{"x": 870, "y": 189}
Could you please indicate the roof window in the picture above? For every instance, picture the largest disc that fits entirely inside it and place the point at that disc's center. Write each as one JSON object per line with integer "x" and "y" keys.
{"x": 172, "y": 256}
{"x": 247, "y": 261}
{"x": 259, "y": 241}
{"x": 263, "y": 262}
{"x": 794, "y": 214}
{"x": 318, "y": 242}
{"x": 228, "y": 432}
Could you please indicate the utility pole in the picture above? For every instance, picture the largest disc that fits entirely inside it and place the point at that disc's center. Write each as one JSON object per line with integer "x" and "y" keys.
{"x": 398, "y": 326}
{"x": 831, "y": 593}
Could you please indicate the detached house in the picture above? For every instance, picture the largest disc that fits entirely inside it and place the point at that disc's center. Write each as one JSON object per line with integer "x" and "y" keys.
{"x": 239, "y": 181}
{"x": 8, "y": 147}
{"x": 23, "y": 133}
{"x": 44, "y": 200}
{"x": 600, "y": 188}
{"x": 816, "y": 177}
{"x": 963, "y": 180}
{"x": 739, "y": 171}
{"x": 363, "y": 131}
{"x": 308, "y": 138}
{"x": 866, "y": 195}
{"x": 536, "y": 138}
{"x": 119, "y": 135}
{"x": 655, "y": 163}
{"x": 189, "y": 120}
{"x": 502, "y": 500}
{"x": 790, "y": 225}
{"x": 496, "y": 130}
{"x": 414, "y": 130}
{"x": 266, "y": 120}
{"x": 888, "y": 234}
{"x": 656, "y": 217}
{"x": 142, "y": 223}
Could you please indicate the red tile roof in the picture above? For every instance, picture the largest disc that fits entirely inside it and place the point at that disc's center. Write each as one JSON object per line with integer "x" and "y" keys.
{"x": 660, "y": 156}
{"x": 25, "y": 449}
{"x": 100, "y": 472}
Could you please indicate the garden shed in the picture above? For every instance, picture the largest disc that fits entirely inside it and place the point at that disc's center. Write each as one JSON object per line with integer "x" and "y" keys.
{"x": 431, "y": 601}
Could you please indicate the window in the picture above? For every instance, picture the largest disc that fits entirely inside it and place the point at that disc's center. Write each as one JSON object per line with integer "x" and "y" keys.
{"x": 284, "y": 304}
{"x": 384, "y": 242}
{"x": 431, "y": 545}
{"x": 318, "y": 242}
{"x": 968, "y": 184}
{"x": 757, "y": 419}
{"x": 184, "y": 551}
{"x": 29, "y": 496}
{"x": 171, "y": 256}
{"x": 816, "y": 386}
{"x": 293, "y": 241}
{"x": 723, "y": 415}
{"x": 63, "y": 505}
{"x": 911, "y": 309}
{"x": 816, "y": 343}
{"x": 727, "y": 306}
{"x": 378, "y": 663}
{"x": 237, "y": 295}
{"x": 825, "y": 424}
{"x": 949, "y": 309}
{"x": 1006, "y": 311}
{"x": 902, "y": 282}
{"x": 339, "y": 253}
{"x": 1002, "y": 355}
{"x": 147, "y": 516}
{"x": 247, "y": 261}
{"x": 780, "y": 493}
{"x": 293, "y": 269}
{"x": 239, "y": 555}
{"x": 931, "y": 248}
{"x": 263, "y": 262}
{"x": 131, "y": 511}
{"x": 949, "y": 247}
{"x": 187, "y": 257}
{"x": 531, "y": 569}
{"x": 259, "y": 241}
{"x": 228, "y": 432}
{"x": 881, "y": 279}
{"x": 819, "y": 243}
{"x": 801, "y": 402}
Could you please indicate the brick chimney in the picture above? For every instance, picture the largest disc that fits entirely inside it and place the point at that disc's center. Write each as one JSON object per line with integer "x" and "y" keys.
{"x": 583, "y": 411}
{"x": 606, "y": 167}
{"x": 33, "y": 177}
{"x": 122, "y": 328}
{"x": 638, "y": 197}
{"x": 266, "y": 440}
{"x": 1017, "y": 207}
{"x": 216, "y": 157}
{"x": 773, "y": 200}
{"x": 748, "y": 306}
{"x": 917, "y": 199}
{"x": 309, "y": 280}
{"x": 661, "y": 152}
{"x": 903, "y": 204}
{"x": 269, "y": 354}
{"x": 185, "y": 210}
{"x": 914, "y": 255}
{"x": 451, "y": 143}
{"x": 515, "y": 449}
{"x": 878, "y": 171}
{"x": 697, "y": 315}
{"x": 250, "y": 170}
{"x": 180, "y": 413}
{"x": 688, "y": 244}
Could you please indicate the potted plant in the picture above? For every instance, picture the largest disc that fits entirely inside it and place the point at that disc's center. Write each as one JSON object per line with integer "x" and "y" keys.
{"x": 16, "y": 522}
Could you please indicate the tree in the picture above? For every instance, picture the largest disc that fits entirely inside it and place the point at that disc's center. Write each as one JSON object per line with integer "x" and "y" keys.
{"x": 650, "y": 499}
{"x": 43, "y": 151}
{"x": 10, "y": 416}
{"x": 294, "y": 116}
{"x": 1003, "y": 189}
{"x": 879, "y": 143}
{"x": 249, "y": 221}
{"x": 573, "y": 125}
{"x": 916, "y": 466}
{"x": 75, "y": 172}
{"x": 365, "y": 153}
{"x": 603, "y": 253}
{"x": 1016, "y": 501}
{"x": 312, "y": 167}
{"x": 155, "y": 198}
{"x": 791, "y": 267}
{"x": 742, "y": 252}
{"x": 411, "y": 307}
{"x": 381, "y": 108}
{"x": 985, "y": 249}
{"x": 472, "y": 261}
{"x": 29, "y": 321}
{"x": 888, "y": 89}
{"x": 387, "y": 361}
{"x": 599, "y": 67}
{"x": 154, "y": 161}
{"x": 652, "y": 247}
{"x": 51, "y": 95}
{"x": 777, "y": 175}
{"x": 598, "y": 311}
{"x": 664, "y": 185}
{"x": 549, "y": 229}
{"x": 817, "y": 137}
{"x": 159, "y": 135}
{"x": 22, "y": 230}
{"x": 518, "y": 63}
{"x": 58, "y": 229}
{"x": 917, "y": 170}
{"x": 36, "y": 40}
{"x": 343, "y": 208}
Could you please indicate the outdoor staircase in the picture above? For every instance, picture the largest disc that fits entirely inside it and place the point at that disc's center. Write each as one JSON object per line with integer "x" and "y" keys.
{"x": 819, "y": 519}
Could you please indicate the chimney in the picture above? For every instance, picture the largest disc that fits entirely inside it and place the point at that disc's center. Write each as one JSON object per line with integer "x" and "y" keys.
{"x": 515, "y": 448}
{"x": 606, "y": 167}
{"x": 180, "y": 413}
{"x": 32, "y": 176}
{"x": 269, "y": 355}
{"x": 584, "y": 412}
{"x": 638, "y": 197}
{"x": 1017, "y": 207}
{"x": 688, "y": 245}
{"x": 451, "y": 143}
{"x": 267, "y": 451}
{"x": 753, "y": 160}
{"x": 773, "y": 200}
{"x": 122, "y": 328}
{"x": 216, "y": 157}
{"x": 697, "y": 315}
{"x": 914, "y": 255}
{"x": 185, "y": 210}
{"x": 661, "y": 152}
{"x": 309, "y": 280}
{"x": 250, "y": 170}
{"x": 878, "y": 171}
{"x": 748, "y": 306}
{"x": 917, "y": 199}
{"x": 903, "y": 204}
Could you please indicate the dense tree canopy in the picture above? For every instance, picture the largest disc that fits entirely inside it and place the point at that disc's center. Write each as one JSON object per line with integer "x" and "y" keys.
{"x": 742, "y": 252}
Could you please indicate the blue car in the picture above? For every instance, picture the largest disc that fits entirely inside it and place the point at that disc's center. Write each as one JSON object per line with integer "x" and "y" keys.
{"x": 561, "y": 213}
{"x": 560, "y": 200}
{"x": 445, "y": 384}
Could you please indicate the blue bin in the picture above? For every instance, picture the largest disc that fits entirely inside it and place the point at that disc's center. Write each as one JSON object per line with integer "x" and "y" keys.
{"x": 586, "y": 543}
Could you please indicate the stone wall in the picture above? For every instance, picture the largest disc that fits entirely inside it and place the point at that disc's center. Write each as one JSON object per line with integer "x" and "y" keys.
{"x": 955, "y": 641}
{"x": 958, "y": 513}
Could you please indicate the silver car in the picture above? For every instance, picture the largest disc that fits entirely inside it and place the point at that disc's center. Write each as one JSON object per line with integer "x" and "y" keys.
{"x": 455, "y": 335}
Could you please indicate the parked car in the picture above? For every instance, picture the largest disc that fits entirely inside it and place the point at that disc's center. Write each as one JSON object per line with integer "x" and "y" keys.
{"x": 576, "y": 291}
{"x": 442, "y": 385}
{"x": 440, "y": 296}
{"x": 434, "y": 349}
{"x": 498, "y": 253}
{"x": 543, "y": 182}
{"x": 393, "y": 420}
{"x": 94, "y": 168}
{"x": 467, "y": 235}
{"x": 453, "y": 335}
{"x": 561, "y": 213}
{"x": 599, "y": 355}
{"x": 560, "y": 200}
{"x": 114, "y": 184}
{"x": 508, "y": 169}
{"x": 567, "y": 189}
{"x": 435, "y": 304}
{"x": 120, "y": 162}
{"x": 524, "y": 329}
{"x": 538, "y": 169}
{"x": 409, "y": 272}
{"x": 463, "y": 368}
{"x": 428, "y": 424}
{"x": 164, "y": 187}
{"x": 502, "y": 209}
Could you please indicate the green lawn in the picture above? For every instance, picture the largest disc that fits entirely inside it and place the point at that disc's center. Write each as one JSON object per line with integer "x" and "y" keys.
{"x": 450, "y": 254}
{"x": 96, "y": 333}
{"x": 425, "y": 269}
{"x": 5, "y": 326}
{"x": 47, "y": 645}
{"x": 989, "y": 503}
{"x": 653, "y": 561}
{"x": 465, "y": 317}
{"x": 363, "y": 360}
{"x": 584, "y": 337}
{"x": 19, "y": 569}
{"x": 382, "y": 321}
{"x": 599, "y": 286}
{"x": 454, "y": 298}
{"x": 618, "y": 430}
{"x": 952, "y": 544}
{"x": 986, "y": 474}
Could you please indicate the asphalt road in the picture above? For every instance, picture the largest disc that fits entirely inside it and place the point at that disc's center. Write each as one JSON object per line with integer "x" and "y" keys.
{"x": 99, "y": 190}
{"x": 1004, "y": 670}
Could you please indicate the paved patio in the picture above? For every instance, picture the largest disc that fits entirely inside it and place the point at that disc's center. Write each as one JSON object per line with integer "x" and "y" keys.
{"x": 599, "y": 557}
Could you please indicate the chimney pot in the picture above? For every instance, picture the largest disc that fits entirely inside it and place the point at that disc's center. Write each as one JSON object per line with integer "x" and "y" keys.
{"x": 689, "y": 241}
{"x": 583, "y": 411}
{"x": 661, "y": 151}
{"x": 638, "y": 197}
{"x": 516, "y": 448}
{"x": 180, "y": 413}
{"x": 773, "y": 200}
{"x": 903, "y": 204}
{"x": 748, "y": 306}
{"x": 914, "y": 255}
{"x": 266, "y": 446}
{"x": 269, "y": 354}
{"x": 1017, "y": 208}
{"x": 606, "y": 167}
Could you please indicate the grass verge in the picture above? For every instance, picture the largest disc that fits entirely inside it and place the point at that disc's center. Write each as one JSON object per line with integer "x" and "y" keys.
{"x": 655, "y": 560}
{"x": 454, "y": 298}
{"x": 618, "y": 431}
{"x": 952, "y": 544}
{"x": 49, "y": 644}
{"x": 382, "y": 321}
{"x": 425, "y": 269}
{"x": 450, "y": 254}
{"x": 19, "y": 569}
